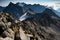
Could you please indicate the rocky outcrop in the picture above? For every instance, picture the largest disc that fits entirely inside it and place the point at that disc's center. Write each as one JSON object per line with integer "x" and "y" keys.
{"x": 8, "y": 27}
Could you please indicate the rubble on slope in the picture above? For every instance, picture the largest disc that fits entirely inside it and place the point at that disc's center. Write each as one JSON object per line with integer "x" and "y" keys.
{"x": 11, "y": 29}
{"x": 8, "y": 27}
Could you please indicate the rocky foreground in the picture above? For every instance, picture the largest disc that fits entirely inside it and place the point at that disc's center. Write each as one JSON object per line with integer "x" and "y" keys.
{"x": 42, "y": 29}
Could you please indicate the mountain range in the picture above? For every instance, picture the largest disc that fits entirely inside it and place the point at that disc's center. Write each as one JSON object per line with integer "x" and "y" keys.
{"x": 19, "y": 9}
{"x": 41, "y": 21}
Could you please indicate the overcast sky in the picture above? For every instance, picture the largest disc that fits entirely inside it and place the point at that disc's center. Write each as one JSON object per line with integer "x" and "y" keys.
{"x": 50, "y": 3}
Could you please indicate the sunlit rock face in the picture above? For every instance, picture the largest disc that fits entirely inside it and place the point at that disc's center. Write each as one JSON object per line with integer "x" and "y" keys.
{"x": 7, "y": 38}
{"x": 7, "y": 23}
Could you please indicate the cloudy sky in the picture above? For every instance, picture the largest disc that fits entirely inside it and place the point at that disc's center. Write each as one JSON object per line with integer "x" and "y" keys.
{"x": 55, "y": 4}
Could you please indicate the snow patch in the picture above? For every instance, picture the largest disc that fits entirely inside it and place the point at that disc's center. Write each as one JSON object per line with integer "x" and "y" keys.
{"x": 23, "y": 17}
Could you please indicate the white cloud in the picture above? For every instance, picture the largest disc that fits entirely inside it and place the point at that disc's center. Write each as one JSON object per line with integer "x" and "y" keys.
{"x": 54, "y": 5}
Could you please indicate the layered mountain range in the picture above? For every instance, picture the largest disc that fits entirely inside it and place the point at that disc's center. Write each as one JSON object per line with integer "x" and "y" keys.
{"x": 40, "y": 21}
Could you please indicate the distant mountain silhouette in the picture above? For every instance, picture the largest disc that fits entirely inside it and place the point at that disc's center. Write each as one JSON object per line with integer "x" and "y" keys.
{"x": 37, "y": 8}
{"x": 19, "y": 9}
{"x": 16, "y": 10}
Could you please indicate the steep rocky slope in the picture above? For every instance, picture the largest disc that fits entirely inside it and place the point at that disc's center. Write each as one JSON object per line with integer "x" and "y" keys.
{"x": 42, "y": 26}
{"x": 45, "y": 28}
